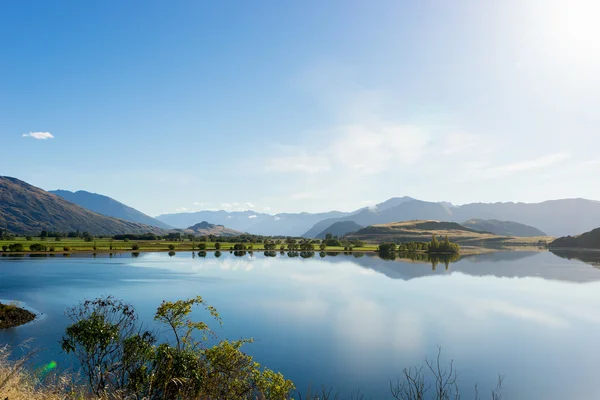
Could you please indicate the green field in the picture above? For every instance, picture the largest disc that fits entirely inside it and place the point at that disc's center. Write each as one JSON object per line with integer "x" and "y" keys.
{"x": 104, "y": 245}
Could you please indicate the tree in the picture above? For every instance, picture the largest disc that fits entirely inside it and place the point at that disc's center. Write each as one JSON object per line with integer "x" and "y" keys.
{"x": 171, "y": 247}
{"x": 17, "y": 247}
{"x": 217, "y": 246}
{"x": 387, "y": 248}
{"x": 44, "y": 234}
{"x": 201, "y": 246}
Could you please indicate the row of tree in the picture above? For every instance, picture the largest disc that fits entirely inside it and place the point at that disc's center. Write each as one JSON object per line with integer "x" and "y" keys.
{"x": 435, "y": 246}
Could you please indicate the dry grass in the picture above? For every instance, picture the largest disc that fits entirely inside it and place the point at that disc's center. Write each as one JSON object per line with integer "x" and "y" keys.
{"x": 17, "y": 382}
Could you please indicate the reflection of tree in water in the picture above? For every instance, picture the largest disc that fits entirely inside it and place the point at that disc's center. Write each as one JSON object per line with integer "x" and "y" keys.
{"x": 239, "y": 253}
{"x": 218, "y": 254}
{"x": 434, "y": 259}
{"x": 270, "y": 254}
{"x": 307, "y": 254}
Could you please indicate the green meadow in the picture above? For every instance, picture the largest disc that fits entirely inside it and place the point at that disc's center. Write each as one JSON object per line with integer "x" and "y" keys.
{"x": 72, "y": 245}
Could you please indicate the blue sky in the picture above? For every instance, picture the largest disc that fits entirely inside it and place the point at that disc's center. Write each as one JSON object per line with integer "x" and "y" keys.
{"x": 304, "y": 106}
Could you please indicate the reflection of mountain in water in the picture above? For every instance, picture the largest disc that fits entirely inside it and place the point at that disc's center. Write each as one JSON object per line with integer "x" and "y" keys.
{"x": 517, "y": 264}
{"x": 591, "y": 257}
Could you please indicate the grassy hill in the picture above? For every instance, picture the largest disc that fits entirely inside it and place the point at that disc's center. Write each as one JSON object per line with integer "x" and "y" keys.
{"x": 205, "y": 229}
{"x": 503, "y": 228}
{"x": 422, "y": 230}
{"x": 107, "y": 206}
{"x": 588, "y": 240}
{"x": 26, "y": 209}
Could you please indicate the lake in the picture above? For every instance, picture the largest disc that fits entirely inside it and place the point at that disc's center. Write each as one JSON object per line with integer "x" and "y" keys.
{"x": 352, "y": 323}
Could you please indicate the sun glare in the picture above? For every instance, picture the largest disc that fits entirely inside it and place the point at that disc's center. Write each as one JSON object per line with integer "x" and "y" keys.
{"x": 575, "y": 28}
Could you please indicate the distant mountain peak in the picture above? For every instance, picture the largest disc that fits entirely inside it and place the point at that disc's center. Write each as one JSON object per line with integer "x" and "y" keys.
{"x": 109, "y": 207}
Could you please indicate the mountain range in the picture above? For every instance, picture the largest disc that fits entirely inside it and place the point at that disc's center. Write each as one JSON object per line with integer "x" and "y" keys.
{"x": 107, "y": 206}
{"x": 553, "y": 217}
{"x": 26, "y": 209}
{"x": 285, "y": 224}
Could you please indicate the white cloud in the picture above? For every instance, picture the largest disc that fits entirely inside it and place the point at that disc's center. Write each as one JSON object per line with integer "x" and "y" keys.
{"x": 536, "y": 163}
{"x": 39, "y": 135}
{"x": 198, "y": 204}
{"x": 182, "y": 209}
{"x": 267, "y": 208}
{"x": 237, "y": 206}
{"x": 373, "y": 148}
{"x": 252, "y": 216}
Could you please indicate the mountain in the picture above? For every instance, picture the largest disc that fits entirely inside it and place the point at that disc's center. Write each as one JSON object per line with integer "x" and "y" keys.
{"x": 391, "y": 211}
{"x": 503, "y": 228}
{"x": 106, "y": 206}
{"x": 205, "y": 229}
{"x": 588, "y": 240}
{"x": 554, "y": 217}
{"x": 26, "y": 209}
{"x": 285, "y": 224}
{"x": 340, "y": 229}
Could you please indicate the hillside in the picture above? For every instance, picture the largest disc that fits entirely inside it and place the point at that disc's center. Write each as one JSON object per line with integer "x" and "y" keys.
{"x": 107, "y": 206}
{"x": 422, "y": 230}
{"x": 503, "y": 228}
{"x": 340, "y": 229}
{"x": 588, "y": 240}
{"x": 205, "y": 229}
{"x": 26, "y": 209}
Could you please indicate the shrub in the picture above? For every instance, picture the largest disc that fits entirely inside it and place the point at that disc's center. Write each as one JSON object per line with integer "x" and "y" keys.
{"x": 4, "y": 248}
{"x": 51, "y": 248}
{"x": 37, "y": 247}
{"x": 171, "y": 247}
{"x": 15, "y": 247}
{"x": 218, "y": 246}
{"x": 28, "y": 238}
{"x": 66, "y": 248}
{"x": 135, "y": 247}
{"x": 201, "y": 246}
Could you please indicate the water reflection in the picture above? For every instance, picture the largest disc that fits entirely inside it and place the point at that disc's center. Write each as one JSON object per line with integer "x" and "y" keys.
{"x": 587, "y": 256}
{"x": 354, "y": 321}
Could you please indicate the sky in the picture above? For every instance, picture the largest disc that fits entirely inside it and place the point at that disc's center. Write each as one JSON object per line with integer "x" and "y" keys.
{"x": 301, "y": 106}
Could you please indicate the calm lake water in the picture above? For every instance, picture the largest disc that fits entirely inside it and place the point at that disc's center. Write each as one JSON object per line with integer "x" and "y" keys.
{"x": 353, "y": 323}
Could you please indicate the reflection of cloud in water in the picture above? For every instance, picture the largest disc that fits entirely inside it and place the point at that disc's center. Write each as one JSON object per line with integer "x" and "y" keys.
{"x": 484, "y": 308}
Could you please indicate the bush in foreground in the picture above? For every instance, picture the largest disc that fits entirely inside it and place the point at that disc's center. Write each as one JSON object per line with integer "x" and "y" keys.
{"x": 117, "y": 355}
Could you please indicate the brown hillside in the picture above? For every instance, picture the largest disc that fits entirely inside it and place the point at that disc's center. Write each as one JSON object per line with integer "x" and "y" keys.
{"x": 26, "y": 209}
